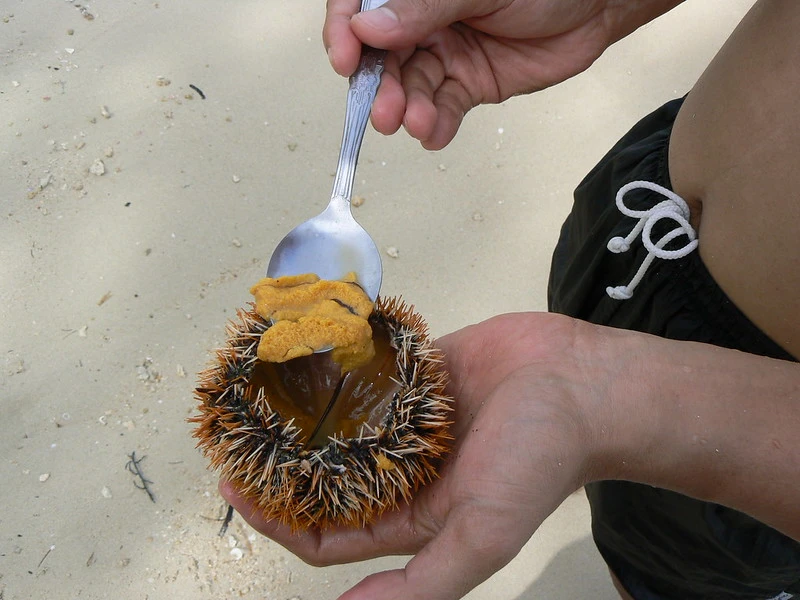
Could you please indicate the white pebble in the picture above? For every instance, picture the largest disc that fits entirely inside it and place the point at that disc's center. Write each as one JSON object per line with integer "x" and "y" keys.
{"x": 236, "y": 179}
{"x": 393, "y": 251}
{"x": 237, "y": 553}
{"x": 44, "y": 477}
{"x": 105, "y": 492}
{"x": 98, "y": 167}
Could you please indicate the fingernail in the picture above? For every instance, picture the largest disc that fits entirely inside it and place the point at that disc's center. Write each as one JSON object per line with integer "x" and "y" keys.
{"x": 381, "y": 18}
{"x": 330, "y": 55}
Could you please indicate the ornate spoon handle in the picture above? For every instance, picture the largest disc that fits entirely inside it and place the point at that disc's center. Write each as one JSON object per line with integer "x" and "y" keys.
{"x": 363, "y": 87}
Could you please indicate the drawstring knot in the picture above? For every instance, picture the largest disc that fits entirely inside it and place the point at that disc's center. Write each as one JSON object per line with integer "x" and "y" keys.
{"x": 673, "y": 207}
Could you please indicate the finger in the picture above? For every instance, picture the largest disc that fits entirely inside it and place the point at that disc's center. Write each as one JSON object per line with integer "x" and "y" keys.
{"x": 343, "y": 47}
{"x": 389, "y": 106}
{"x": 452, "y": 101}
{"x": 422, "y": 75}
{"x": 403, "y": 23}
{"x": 462, "y": 556}
{"x": 392, "y": 534}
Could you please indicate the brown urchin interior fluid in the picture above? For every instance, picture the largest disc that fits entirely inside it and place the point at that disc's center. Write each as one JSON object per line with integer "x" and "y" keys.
{"x": 323, "y": 402}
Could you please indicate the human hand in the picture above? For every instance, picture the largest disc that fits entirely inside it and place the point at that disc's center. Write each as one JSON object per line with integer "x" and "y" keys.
{"x": 521, "y": 442}
{"x": 452, "y": 55}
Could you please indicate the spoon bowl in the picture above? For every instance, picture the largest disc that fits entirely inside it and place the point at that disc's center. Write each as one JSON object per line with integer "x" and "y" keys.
{"x": 331, "y": 245}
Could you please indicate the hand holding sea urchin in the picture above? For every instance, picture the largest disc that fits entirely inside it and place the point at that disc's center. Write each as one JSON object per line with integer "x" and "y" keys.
{"x": 311, "y": 443}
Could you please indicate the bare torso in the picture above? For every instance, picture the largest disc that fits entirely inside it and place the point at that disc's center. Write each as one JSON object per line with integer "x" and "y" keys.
{"x": 735, "y": 157}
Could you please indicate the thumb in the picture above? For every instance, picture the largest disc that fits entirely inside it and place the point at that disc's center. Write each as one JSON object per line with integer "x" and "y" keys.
{"x": 465, "y": 553}
{"x": 402, "y": 23}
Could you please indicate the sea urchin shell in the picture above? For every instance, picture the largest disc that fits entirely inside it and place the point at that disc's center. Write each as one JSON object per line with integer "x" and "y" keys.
{"x": 313, "y": 447}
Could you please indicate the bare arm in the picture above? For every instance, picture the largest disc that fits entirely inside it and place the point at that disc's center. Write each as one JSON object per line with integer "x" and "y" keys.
{"x": 734, "y": 153}
{"x": 711, "y": 423}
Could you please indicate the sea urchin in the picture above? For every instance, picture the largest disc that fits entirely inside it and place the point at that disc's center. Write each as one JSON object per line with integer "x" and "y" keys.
{"x": 313, "y": 447}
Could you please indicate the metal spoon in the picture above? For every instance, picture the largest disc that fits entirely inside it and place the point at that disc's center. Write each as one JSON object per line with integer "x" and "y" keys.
{"x": 333, "y": 244}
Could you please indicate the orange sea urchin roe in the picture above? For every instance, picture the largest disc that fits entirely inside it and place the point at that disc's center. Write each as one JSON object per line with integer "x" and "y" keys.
{"x": 310, "y": 314}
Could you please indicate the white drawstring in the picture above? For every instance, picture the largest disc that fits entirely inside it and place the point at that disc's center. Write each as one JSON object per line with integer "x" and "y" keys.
{"x": 675, "y": 208}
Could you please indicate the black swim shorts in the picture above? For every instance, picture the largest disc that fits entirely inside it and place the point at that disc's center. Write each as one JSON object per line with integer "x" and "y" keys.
{"x": 660, "y": 544}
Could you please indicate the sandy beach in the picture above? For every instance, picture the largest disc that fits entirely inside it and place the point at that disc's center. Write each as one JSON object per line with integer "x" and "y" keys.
{"x": 152, "y": 156}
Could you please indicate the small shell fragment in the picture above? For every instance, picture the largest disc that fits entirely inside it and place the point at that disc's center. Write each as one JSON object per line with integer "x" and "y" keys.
{"x": 98, "y": 168}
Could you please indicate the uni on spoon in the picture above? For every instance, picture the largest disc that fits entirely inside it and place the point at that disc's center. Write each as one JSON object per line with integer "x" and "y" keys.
{"x": 333, "y": 244}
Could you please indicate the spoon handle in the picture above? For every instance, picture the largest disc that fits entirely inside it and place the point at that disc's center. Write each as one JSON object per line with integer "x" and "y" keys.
{"x": 363, "y": 87}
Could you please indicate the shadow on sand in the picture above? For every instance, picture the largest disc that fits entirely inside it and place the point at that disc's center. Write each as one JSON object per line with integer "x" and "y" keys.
{"x": 574, "y": 573}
